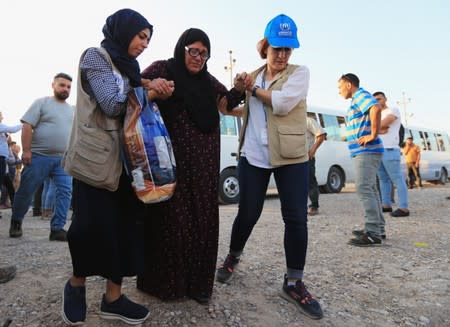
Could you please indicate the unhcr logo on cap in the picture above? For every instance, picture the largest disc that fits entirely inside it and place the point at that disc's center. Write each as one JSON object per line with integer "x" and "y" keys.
{"x": 281, "y": 31}
{"x": 285, "y": 29}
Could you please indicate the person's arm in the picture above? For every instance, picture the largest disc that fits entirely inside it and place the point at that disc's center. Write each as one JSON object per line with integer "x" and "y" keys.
{"x": 406, "y": 149}
{"x": 318, "y": 141}
{"x": 27, "y": 136}
{"x": 386, "y": 122}
{"x": 107, "y": 87}
{"x": 264, "y": 95}
{"x": 375, "y": 119}
{"x": 235, "y": 112}
{"x": 10, "y": 129}
{"x": 292, "y": 92}
{"x": 234, "y": 96}
{"x": 418, "y": 158}
{"x": 222, "y": 105}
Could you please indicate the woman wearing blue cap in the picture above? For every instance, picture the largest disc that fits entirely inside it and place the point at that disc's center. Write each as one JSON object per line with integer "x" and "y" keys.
{"x": 273, "y": 140}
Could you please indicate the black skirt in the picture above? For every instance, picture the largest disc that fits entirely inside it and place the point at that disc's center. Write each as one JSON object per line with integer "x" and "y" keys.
{"x": 104, "y": 236}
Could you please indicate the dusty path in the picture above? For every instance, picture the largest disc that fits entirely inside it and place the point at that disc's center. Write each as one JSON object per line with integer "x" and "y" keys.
{"x": 406, "y": 282}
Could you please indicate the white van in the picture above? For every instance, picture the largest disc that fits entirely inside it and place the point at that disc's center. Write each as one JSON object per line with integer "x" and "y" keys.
{"x": 333, "y": 162}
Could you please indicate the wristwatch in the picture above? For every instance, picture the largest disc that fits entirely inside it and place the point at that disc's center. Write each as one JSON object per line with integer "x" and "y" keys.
{"x": 254, "y": 90}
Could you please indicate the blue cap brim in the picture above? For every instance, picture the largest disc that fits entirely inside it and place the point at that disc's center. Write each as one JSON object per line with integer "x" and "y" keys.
{"x": 283, "y": 42}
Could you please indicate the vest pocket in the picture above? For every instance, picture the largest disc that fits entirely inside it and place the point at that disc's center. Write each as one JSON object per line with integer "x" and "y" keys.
{"x": 95, "y": 158}
{"x": 292, "y": 141}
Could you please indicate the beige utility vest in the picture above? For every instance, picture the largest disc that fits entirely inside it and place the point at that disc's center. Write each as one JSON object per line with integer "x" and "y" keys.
{"x": 286, "y": 134}
{"x": 93, "y": 152}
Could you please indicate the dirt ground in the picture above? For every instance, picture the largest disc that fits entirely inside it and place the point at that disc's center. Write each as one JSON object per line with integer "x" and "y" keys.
{"x": 405, "y": 282}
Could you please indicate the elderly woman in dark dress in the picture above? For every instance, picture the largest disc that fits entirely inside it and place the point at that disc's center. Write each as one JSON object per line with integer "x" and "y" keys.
{"x": 181, "y": 234}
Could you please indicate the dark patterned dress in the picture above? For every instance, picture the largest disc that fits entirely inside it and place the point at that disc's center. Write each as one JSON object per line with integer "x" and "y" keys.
{"x": 181, "y": 234}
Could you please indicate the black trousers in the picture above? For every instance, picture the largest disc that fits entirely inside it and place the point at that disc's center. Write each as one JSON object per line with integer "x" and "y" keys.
{"x": 104, "y": 237}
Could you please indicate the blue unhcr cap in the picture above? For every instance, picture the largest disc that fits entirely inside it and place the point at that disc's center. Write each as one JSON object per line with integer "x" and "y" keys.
{"x": 281, "y": 31}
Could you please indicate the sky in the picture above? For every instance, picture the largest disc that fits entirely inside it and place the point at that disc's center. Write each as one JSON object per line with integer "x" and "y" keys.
{"x": 399, "y": 47}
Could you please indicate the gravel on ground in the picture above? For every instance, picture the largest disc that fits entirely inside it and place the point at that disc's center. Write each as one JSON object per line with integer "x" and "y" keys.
{"x": 404, "y": 282}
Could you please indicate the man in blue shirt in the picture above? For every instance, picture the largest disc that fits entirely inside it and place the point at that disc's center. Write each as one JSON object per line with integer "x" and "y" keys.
{"x": 366, "y": 148}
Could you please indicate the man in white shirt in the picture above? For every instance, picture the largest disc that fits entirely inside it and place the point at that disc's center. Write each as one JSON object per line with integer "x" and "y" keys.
{"x": 315, "y": 135}
{"x": 389, "y": 171}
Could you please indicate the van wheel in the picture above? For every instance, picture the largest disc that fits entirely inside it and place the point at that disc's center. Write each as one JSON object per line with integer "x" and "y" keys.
{"x": 335, "y": 181}
{"x": 443, "y": 179}
{"x": 229, "y": 186}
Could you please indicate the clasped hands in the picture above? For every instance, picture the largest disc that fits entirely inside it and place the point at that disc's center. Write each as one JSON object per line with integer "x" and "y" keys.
{"x": 243, "y": 82}
{"x": 158, "y": 88}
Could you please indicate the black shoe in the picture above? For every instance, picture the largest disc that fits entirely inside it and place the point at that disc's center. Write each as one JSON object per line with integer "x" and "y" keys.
{"x": 201, "y": 298}
{"x": 367, "y": 239}
{"x": 73, "y": 309}
{"x": 386, "y": 209}
{"x": 37, "y": 212}
{"x": 361, "y": 232}
{"x": 225, "y": 271}
{"x": 399, "y": 213}
{"x": 58, "y": 235}
{"x": 124, "y": 309}
{"x": 300, "y": 296}
{"x": 7, "y": 273}
{"x": 312, "y": 211}
{"x": 15, "y": 229}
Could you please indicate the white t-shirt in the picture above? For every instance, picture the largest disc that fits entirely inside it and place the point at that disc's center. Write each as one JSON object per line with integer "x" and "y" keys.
{"x": 295, "y": 89}
{"x": 313, "y": 130}
{"x": 391, "y": 138}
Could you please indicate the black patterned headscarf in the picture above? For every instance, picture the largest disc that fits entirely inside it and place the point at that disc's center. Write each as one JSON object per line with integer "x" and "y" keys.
{"x": 119, "y": 30}
{"x": 194, "y": 92}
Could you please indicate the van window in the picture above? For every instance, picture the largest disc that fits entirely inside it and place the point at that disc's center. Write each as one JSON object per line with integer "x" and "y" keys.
{"x": 228, "y": 125}
{"x": 431, "y": 141}
{"x": 443, "y": 142}
{"x": 312, "y": 115}
{"x": 342, "y": 129}
{"x": 418, "y": 139}
{"x": 407, "y": 133}
{"x": 331, "y": 126}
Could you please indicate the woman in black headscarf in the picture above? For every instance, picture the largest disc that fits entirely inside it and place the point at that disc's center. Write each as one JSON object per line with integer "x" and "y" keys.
{"x": 103, "y": 237}
{"x": 181, "y": 235}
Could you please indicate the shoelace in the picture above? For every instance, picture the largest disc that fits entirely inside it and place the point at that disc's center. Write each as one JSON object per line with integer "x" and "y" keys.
{"x": 305, "y": 296}
{"x": 228, "y": 264}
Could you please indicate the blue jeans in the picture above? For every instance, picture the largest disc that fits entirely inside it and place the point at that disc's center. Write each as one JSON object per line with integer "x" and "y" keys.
{"x": 366, "y": 167}
{"x": 48, "y": 198}
{"x": 33, "y": 176}
{"x": 292, "y": 185}
{"x": 388, "y": 172}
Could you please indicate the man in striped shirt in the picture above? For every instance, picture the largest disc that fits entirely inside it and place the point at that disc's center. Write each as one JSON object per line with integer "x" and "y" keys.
{"x": 366, "y": 148}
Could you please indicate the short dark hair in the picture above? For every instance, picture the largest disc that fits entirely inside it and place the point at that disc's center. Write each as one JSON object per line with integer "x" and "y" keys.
{"x": 351, "y": 78}
{"x": 63, "y": 75}
{"x": 379, "y": 93}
